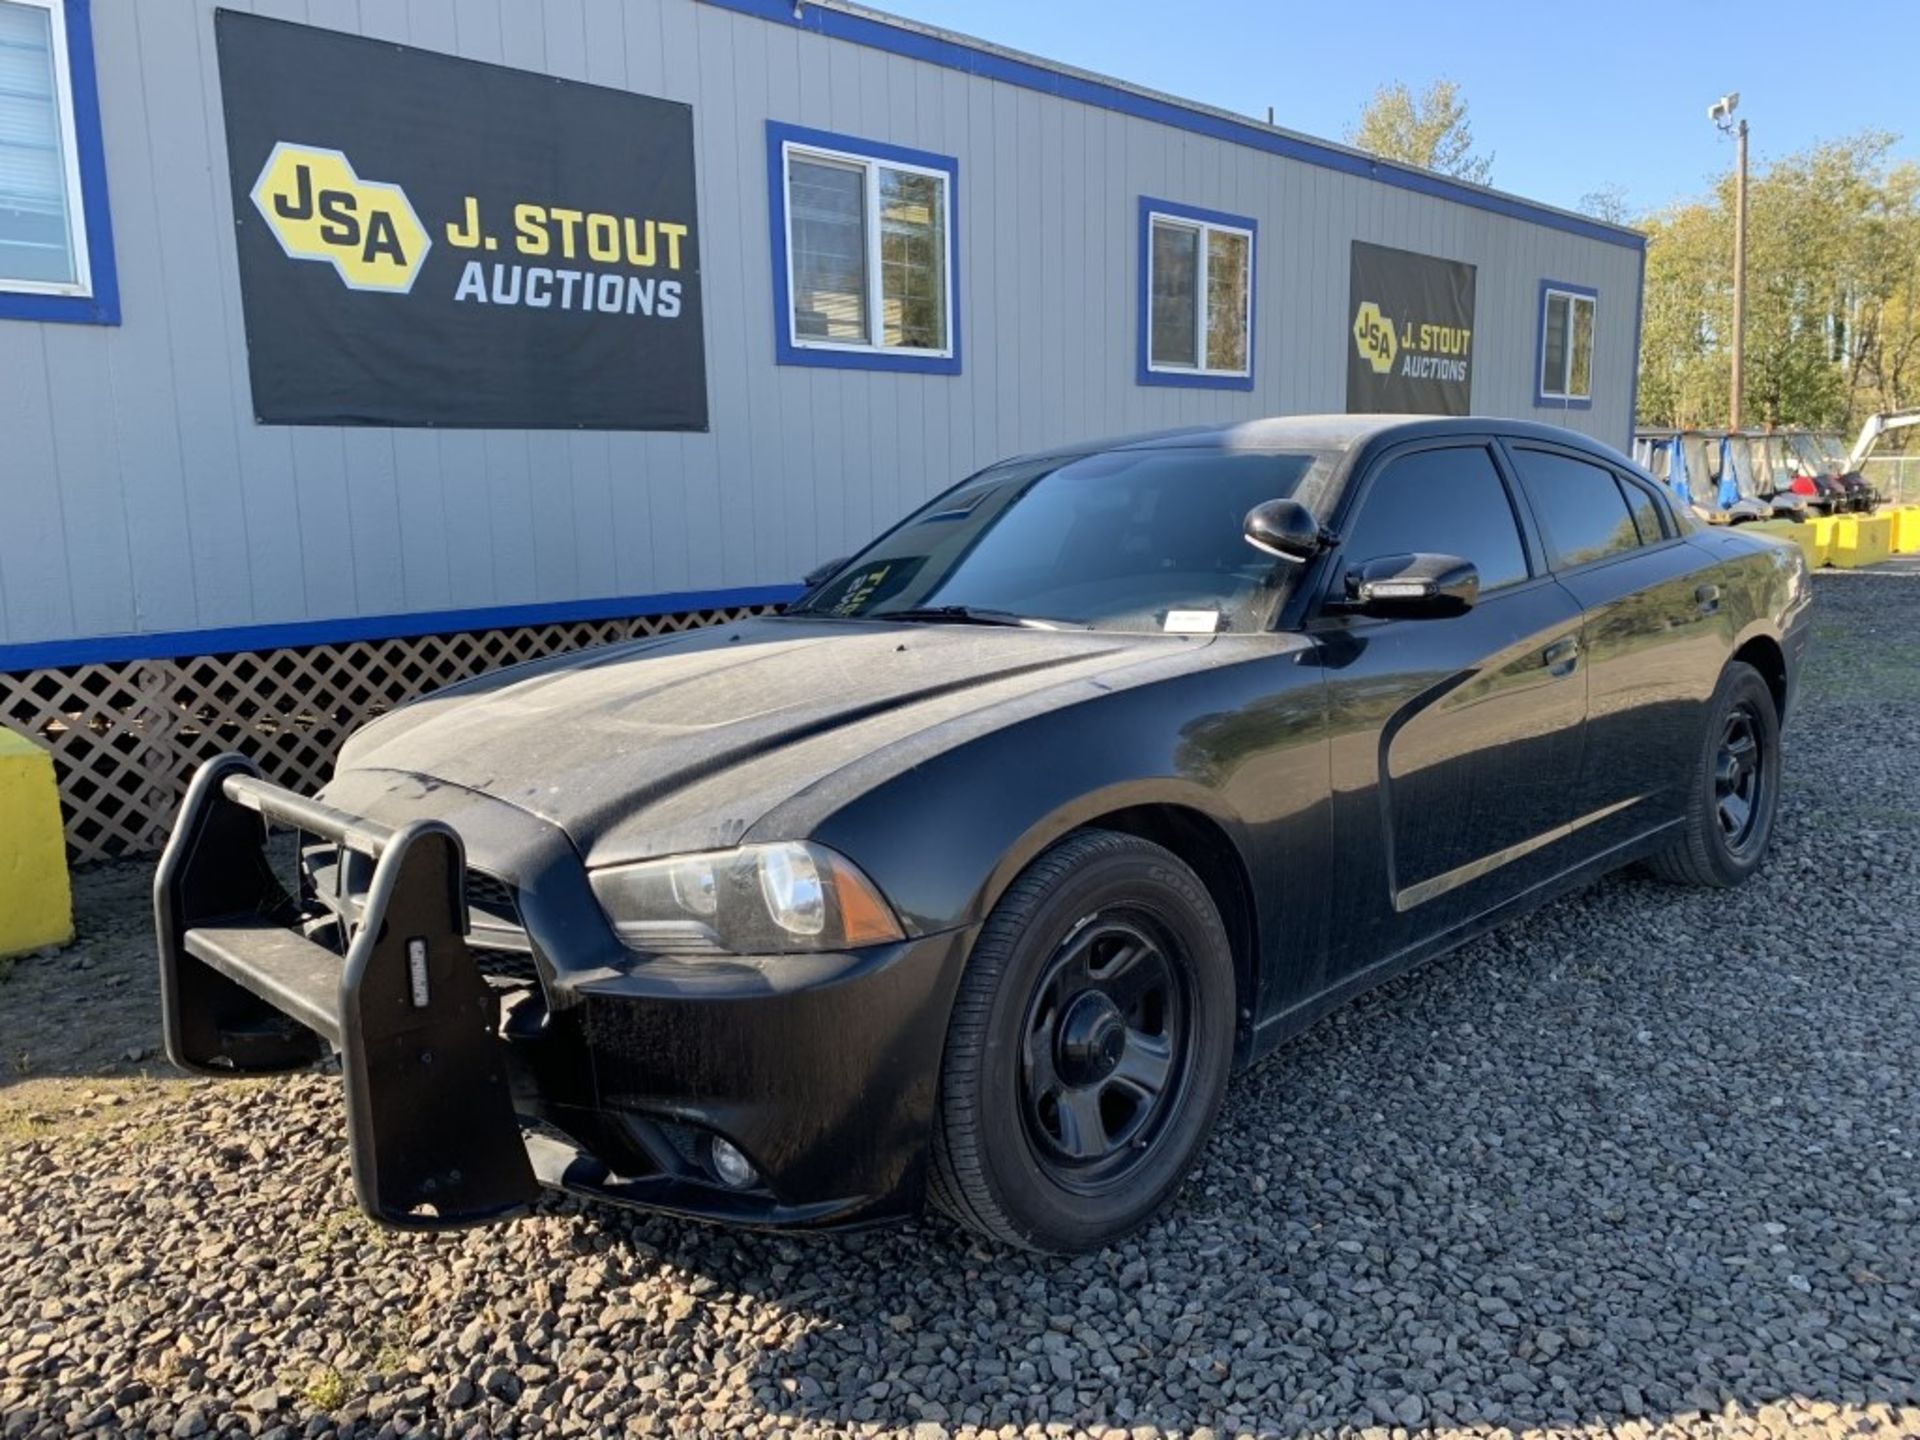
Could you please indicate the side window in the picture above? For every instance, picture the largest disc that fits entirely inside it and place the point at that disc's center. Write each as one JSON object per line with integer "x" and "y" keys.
{"x": 1196, "y": 306}
{"x": 1646, "y": 513}
{"x": 864, "y": 253}
{"x": 1579, "y": 506}
{"x": 1566, "y": 343}
{"x": 1444, "y": 502}
{"x": 56, "y": 249}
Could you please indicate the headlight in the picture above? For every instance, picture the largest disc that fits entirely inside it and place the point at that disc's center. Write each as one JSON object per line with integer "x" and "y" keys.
{"x": 784, "y": 898}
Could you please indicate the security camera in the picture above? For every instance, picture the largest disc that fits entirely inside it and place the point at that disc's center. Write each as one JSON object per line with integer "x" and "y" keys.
{"x": 1724, "y": 107}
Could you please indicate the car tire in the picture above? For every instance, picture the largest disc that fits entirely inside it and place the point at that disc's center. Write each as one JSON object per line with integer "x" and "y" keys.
{"x": 1734, "y": 790}
{"x": 1049, "y": 1134}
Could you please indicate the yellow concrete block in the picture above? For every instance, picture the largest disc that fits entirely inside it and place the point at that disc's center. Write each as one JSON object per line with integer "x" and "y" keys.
{"x": 36, "y": 904}
{"x": 1826, "y": 530}
{"x": 1906, "y": 528}
{"x": 1862, "y": 540}
{"x": 1802, "y": 533}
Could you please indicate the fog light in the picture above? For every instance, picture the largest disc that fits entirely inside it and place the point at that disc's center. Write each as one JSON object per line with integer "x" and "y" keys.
{"x": 736, "y": 1172}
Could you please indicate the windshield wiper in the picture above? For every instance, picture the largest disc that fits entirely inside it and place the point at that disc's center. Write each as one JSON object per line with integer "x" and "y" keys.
{"x": 964, "y": 615}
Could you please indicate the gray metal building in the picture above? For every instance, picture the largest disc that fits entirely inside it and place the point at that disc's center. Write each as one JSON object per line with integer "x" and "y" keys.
{"x": 1047, "y": 255}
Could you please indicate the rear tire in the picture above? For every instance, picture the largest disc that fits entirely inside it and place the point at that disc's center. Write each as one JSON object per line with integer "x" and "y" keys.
{"x": 1088, "y": 1049}
{"x": 1734, "y": 791}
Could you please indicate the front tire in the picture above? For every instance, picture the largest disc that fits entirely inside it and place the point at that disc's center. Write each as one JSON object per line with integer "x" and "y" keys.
{"x": 1088, "y": 1050}
{"x": 1735, "y": 788}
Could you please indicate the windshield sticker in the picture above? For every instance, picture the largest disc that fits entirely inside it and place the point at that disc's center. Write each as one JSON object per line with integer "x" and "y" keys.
{"x": 1192, "y": 622}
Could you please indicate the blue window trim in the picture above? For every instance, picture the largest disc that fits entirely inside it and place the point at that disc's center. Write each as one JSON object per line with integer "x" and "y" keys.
{"x": 102, "y": 307}
{"x": 1144, "y": 373}
{"x": 1541, "y": 399}
{"x": 914, "y": 43}
{"x": 785, "y": 351}
{"x": 164, "y": 645}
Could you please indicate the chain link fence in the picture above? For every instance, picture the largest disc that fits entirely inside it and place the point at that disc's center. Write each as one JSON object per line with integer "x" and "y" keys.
{"x": 1895, "y": 477}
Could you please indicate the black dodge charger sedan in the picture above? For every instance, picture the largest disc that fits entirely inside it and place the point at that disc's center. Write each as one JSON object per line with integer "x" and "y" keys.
{"x": 972, "y": 876}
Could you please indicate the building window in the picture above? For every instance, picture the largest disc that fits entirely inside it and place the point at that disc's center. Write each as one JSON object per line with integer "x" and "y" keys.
{"x": 864, "y": 243}
{"x": 1567, "y": 315}
{"x": 1196, "y": 297}
{"x": 56, "y": 260}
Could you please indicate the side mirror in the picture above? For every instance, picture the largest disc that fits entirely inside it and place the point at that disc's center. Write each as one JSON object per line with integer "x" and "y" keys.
{"x": 1413, "y": 587}
{"x": 1285, "y": 528}
{"x": 820, "y": 574}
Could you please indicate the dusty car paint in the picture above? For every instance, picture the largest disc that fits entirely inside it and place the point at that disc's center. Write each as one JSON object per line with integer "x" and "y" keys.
{"x": 1358, "y": 793}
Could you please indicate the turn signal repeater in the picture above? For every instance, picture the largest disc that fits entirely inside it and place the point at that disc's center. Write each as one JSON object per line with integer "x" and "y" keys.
{"x": 865, "y": 919}
{"x": 782, "y": 898}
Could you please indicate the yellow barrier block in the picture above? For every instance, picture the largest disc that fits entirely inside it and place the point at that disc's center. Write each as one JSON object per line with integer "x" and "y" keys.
{"x": 1826, "y": 533}
{"x": 1862, "y": 540}
{"x": 1802, "y": 533}
{"x": 1906, "y": 528}
{"x": 36, "y": 904}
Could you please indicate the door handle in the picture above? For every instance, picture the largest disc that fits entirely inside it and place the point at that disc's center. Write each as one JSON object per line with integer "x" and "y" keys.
{"x": 1561, "y": 656}
{"x": 1709, "y": 598}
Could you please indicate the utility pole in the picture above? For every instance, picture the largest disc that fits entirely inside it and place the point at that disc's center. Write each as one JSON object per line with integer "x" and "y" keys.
{"x": 1721, "y": 113}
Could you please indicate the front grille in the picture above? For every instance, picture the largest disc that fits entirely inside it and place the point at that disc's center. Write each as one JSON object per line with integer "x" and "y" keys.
{"x": 492, "y": 895}
{"x": 495, "y": 935}
{"x": 505, "y": 969}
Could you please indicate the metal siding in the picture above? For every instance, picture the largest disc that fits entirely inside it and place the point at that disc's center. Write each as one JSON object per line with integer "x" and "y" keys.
{"x": 469, "y": 516}
{"x": 202, "y": 424}
{"x": 33, "y": 569}
{"x": 153, "y": 500}
{"x": 92, "y": 512}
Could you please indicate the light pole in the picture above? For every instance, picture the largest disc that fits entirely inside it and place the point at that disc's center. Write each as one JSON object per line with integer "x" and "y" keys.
{"x": 1721, "y": 113}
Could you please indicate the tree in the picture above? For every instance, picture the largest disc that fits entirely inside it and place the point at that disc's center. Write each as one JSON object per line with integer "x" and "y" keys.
{"x": 1833, "y": 293}
{"x": 1430, "y": 130}
{"x": 1608, "y": 203}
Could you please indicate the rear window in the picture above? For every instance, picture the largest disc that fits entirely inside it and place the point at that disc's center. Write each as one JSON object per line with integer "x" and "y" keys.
{"x": 1582, "y": 512}
{"x": 1645, "y": 511}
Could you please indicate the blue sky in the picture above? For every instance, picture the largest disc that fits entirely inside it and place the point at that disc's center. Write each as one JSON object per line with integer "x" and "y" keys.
{"x": 1566, "y": 107}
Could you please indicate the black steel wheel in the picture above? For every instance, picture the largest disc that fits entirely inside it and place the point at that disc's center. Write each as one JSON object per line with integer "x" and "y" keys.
{"x": 1735, "y": 788}
{"x": 1740, "y": 780}
{"x": 1089, "y": 1047}
{"x": 1106, "y": 1050}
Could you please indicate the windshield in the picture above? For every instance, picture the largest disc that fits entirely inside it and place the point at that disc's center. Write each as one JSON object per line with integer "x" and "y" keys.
{"x": 1821, "y": 454}
{"x": 1139, "y": 540}
{"x": 1777, "y": 458}
{"x": 1703, "y": 467}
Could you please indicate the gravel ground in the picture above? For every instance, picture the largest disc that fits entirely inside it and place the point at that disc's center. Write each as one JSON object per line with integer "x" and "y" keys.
{"x": 1644, "y": 1163}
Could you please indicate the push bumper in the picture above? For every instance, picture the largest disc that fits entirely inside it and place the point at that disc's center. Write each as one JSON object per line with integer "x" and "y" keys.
{"x": 244, "y": 990}
{"x": 609, "y": 1080}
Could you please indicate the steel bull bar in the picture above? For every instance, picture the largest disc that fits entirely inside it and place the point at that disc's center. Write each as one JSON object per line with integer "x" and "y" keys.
{"x": 244, "y": 990}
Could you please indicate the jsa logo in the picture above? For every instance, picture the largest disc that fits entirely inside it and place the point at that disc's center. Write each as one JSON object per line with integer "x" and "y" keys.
{"x": 1373, "y": 335}
{"x": 319, "y": 209}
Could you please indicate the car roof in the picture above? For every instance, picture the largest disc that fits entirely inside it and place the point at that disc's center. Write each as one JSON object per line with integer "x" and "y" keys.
{"x": 1327, "y": 432}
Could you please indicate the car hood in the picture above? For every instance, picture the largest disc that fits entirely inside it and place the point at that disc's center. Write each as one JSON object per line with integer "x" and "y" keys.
{"x": 682, "y": 742}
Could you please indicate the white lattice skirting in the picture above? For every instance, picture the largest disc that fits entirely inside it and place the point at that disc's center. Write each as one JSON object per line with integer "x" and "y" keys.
{"x": 127, "y": 737}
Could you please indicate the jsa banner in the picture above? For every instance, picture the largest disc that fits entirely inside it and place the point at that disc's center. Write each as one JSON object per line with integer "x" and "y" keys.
{"x": 431, "y": 241}
{"x": 1412, "y": 334}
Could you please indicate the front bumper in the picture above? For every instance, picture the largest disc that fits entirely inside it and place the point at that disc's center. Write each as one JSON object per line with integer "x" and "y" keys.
{"x": 471, "y": 1084}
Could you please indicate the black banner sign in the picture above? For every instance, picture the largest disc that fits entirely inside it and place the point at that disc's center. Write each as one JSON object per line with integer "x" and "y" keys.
{"x": 1412, "y": 330}
{"x": 432, "y": 241}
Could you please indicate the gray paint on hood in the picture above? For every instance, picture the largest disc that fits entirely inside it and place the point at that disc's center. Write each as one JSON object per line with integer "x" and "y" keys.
{"x": 683, "y": 742}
